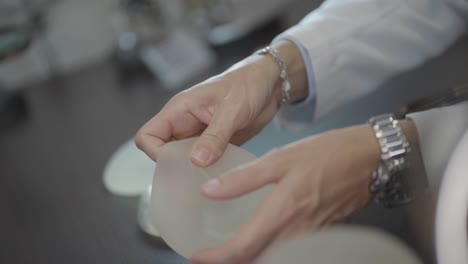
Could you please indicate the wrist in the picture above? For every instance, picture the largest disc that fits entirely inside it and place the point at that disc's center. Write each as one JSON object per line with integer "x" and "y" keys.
{"x": 395, "y": 138}
{"x": 295, "y": 70}
{"x": 374, "y": 151}
{"x": 364, "y": 142}
{"x": 410, "y": 131}
{"x": 363, "y": 156}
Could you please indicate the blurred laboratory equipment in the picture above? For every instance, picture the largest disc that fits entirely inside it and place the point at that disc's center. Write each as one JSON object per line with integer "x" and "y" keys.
{"x": 184, "y": 217}
{"x": 16, "y": 35}
{"x": 13, "y": 42}
{"x": 23, "y": 22}
{"x": 179, "y": 59}
{"x": 173, "y": 39}
{"x": 223, "y": 21}
{"x": 155, "y": 37}
{"x": 217, "y": 21}
{"x": 67, "y": 35}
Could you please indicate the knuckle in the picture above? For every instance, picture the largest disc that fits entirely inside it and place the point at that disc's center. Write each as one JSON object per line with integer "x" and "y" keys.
{"x": 275, "y": 157}
{"x": 218, "y": 138}
{"x": 174, "y": 99}
{"x": 140, "y": 141}
{"x": 291, "y": 212}
{"x": 268, "y": 169}
{"x": 273, "y": 152}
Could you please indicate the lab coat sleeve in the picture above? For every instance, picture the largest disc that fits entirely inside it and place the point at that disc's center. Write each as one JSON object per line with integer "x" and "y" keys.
{"x": 351, "y": 47}
{"x": 439, "y": 131}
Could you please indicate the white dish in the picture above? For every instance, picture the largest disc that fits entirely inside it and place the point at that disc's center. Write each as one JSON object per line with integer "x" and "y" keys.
{"x": 145, "y": 214}
{"x": 129, "y": 171}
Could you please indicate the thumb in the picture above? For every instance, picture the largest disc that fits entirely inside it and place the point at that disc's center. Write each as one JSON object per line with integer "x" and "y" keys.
{"x": 213, "y": 141}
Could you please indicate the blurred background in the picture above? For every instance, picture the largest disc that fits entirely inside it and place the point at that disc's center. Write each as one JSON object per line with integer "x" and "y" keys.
{"x": 65, "y": 36}
{"x": 78, "y": 78}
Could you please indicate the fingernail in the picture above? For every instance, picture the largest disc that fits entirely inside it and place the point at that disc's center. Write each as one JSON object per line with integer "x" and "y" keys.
{"x": 211, "y": 185}
{"x": 201, "y": 154}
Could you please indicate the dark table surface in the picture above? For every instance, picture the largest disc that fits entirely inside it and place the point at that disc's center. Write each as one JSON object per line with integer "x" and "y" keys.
{"x": 53, "y": 205}
{"x": 54, "y": 208}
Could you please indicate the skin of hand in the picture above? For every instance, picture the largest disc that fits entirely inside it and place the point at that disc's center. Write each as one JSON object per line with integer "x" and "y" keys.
{"x": 228, "y": 108}
{"x": 318, "y": 181}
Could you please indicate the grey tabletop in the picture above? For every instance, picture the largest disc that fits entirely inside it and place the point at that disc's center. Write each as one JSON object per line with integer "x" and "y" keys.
{"x": 54, "y": 208}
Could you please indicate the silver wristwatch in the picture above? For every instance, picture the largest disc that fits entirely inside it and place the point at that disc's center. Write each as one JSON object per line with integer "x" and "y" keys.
{"x": 388, "y": 185}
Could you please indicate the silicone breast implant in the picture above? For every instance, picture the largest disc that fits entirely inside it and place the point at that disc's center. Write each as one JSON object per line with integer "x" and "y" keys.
{"x": 343, "y": 244}
{"x": 186, "y": 219}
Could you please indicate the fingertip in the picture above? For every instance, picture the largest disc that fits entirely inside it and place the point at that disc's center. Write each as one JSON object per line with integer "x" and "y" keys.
{"x": 138, "y": 140}
{"x": 210, "y": 146}
{"x": 221, "y": 188}
{"x": 201, "y": 155}
{"x": 202, "y": 257}
{"x": 220, "y": 254}
{"x": 239, "y": 181}
{"x": 211, "y": 187}
{"x": 149, "y": 145}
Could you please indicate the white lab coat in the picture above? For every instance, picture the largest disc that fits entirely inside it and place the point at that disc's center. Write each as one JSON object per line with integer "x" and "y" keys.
{"x": 350, "y": 47}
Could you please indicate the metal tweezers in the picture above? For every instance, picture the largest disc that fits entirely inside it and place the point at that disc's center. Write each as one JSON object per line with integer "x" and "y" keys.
{"x": 453, "y": 96}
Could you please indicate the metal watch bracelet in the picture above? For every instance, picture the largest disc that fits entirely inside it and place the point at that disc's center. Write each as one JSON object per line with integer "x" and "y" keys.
{"x": 387, "y": 185}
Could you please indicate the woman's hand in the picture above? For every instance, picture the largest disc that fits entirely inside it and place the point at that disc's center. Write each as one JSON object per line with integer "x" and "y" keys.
{"x": 231, "y": 107}
{"x": 319, "y": 181}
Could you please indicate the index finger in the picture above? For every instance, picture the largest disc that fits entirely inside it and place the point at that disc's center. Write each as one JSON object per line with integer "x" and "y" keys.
{"x": 153, "y": 135}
